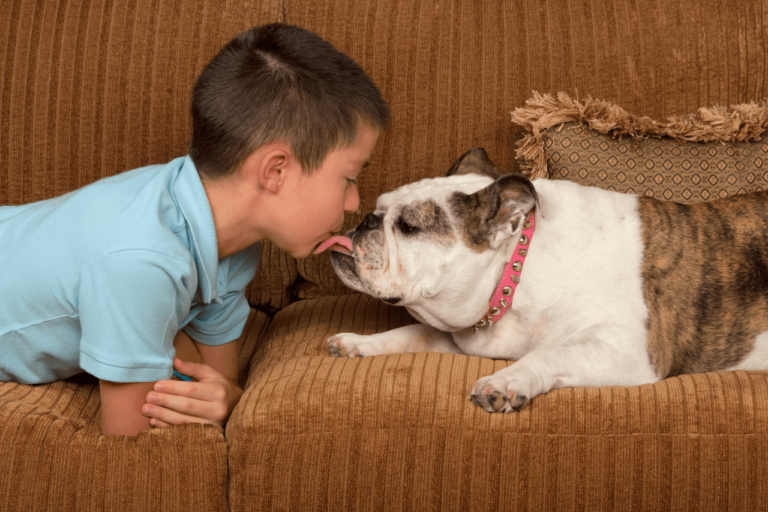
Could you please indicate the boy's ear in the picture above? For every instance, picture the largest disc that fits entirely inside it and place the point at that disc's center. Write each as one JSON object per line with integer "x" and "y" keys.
{"x": 268, "y": 168}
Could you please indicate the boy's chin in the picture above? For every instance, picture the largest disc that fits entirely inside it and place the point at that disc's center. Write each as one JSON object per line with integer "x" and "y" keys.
{"x": 300, "y": 254}
{"x": 297, "y": 252}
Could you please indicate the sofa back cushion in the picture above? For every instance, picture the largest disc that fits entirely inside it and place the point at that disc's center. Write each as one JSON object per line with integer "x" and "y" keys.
{"x": 453, "y": 70}
{"x": 89, "y": 89}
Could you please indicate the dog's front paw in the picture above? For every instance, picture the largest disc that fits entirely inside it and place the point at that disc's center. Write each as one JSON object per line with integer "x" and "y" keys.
{"x": 347, "y": 344}
{"x": 498, "y": 393}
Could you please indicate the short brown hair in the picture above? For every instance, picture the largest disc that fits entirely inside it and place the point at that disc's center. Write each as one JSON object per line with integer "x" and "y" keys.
{"x": 279, "y": 81}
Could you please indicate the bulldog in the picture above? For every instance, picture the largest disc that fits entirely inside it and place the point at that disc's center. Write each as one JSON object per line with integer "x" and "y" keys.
{"x": 587, "y": 287}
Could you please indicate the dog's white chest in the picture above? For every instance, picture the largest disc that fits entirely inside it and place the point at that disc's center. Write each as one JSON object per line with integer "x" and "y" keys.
{"x": 511, "y": 338}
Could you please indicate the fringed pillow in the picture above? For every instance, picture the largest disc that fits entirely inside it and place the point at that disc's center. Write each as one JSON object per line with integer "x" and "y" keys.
{"x": 715, "y": 153}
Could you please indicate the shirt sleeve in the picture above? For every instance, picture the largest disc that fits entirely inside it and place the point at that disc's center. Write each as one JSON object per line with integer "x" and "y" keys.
{"x": 223, "y": 321}
{"x": 130, "y": 304}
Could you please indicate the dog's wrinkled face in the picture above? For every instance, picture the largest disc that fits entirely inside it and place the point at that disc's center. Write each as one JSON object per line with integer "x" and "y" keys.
{"x": 427, "y": 244}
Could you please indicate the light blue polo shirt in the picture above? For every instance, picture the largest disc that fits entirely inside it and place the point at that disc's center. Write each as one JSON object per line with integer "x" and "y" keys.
{"x": 101, "y": 279}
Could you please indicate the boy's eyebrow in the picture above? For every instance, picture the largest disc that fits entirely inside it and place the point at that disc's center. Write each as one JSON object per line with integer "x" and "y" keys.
{"x": 365, "y": 164}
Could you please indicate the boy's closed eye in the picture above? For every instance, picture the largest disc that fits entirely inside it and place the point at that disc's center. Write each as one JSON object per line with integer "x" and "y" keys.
{"x": 353, "y": 181}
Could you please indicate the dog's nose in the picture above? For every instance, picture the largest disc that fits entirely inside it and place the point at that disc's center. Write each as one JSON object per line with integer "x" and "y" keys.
{"x": 370, "y": 221}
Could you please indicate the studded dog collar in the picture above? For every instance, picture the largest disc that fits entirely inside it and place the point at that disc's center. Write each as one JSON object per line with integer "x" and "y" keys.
{"x": 501, "y": 300}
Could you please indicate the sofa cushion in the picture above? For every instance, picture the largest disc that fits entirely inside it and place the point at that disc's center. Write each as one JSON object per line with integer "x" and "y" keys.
{"x": 711, "y": 154}
{"x": 396, "y": 432}
{"x": 54, "y": 457}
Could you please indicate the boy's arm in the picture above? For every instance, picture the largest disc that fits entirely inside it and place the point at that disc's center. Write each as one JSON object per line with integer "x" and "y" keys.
{"x": 209, "y": 400}
{"x": 121, "y": 407}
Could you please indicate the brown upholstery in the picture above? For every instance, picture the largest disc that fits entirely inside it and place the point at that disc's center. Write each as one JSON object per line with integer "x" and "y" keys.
{"x": 397, "y": 432}
{"x": 91, "y": 88}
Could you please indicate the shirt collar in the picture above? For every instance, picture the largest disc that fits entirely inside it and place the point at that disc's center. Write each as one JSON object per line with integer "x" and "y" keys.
{"x": 193, "y": 202}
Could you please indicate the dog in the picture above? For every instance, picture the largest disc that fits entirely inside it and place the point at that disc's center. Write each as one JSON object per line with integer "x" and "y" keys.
{"x": 588, "y": 287}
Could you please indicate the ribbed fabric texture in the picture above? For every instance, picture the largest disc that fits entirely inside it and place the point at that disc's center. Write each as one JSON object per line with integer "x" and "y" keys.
{"x": 53, "y": 456}
{"x": 396, "y": 432}
{"x": 453, "y": 70}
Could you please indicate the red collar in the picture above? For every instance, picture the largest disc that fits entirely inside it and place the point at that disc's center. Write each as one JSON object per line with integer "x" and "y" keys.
{"x": 501, "y": 300}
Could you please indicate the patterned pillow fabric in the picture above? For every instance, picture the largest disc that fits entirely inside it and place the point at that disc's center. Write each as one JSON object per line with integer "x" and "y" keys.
{"x": 715, "y": 153}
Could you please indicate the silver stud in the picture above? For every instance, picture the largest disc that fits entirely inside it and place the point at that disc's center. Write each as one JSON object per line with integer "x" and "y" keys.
{"x": 516, "y": 266}
{"x": 515, "y": 279}
{"x": 503, "y": 303}
{"x": 523, "y": 240}
{"x": 507, "y": 291}
{"x": 523, "y": 252}
{"x": 526, "y": 224}
{"x": 494, "y": 311}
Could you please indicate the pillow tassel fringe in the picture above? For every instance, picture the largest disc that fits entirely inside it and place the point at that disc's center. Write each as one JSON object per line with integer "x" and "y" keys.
{"x": 745, "y": 122}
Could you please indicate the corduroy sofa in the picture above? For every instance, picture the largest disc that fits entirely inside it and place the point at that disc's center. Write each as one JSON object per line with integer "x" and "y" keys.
{"x": 91, "y": 88}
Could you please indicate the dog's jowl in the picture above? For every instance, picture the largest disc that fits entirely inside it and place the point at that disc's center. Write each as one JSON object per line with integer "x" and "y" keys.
{"x": 578, "y": 285}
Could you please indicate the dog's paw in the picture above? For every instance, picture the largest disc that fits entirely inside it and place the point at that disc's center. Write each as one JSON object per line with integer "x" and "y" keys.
{"x": 347, "y": 344}
{"x": 497, "y": 393}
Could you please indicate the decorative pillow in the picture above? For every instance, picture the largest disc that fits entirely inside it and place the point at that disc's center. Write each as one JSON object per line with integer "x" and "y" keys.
{"x": 715, "y": 153}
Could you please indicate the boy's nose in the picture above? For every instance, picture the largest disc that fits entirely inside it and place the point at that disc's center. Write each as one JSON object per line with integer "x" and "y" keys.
{"x": 352, "y": 201}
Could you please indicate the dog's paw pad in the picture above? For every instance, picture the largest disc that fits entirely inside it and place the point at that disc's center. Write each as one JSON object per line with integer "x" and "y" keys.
{"x": 519, "y": 402}
{"x": 496, "y": 396}
{"x": 496, "y": 400}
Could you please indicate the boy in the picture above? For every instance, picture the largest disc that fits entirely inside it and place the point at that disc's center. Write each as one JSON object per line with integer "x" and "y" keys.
{"x": 122, "y": 275}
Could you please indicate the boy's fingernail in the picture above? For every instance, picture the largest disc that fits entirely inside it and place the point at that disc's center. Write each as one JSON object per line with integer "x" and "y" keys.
{"x": 159, "y": 388}
{"x": 152, "y": 398}
{"x": 146, "y": 409}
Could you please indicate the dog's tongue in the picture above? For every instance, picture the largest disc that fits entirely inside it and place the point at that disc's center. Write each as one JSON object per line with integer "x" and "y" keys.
{"x": 335, "y": 243}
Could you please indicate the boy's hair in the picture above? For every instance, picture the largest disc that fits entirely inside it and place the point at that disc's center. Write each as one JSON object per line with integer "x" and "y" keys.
{"x": 279, "y": 81}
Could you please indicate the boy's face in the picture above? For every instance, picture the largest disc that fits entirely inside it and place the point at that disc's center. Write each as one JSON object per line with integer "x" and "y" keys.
{"x": 317, "y": 202}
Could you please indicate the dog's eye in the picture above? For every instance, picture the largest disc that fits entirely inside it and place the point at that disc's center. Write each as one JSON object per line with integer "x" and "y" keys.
{"x": 405, "y": 227}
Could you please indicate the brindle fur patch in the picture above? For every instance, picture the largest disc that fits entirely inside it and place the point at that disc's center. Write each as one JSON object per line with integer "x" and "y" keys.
{"x": 482, "y": 213}
{"x": 430, "y": 219}
{"x": 705, "y": 271}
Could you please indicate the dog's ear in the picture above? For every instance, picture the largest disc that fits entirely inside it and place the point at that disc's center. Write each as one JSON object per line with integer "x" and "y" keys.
{"x": 494, "y": 213}
{"x": 475, "y": 161}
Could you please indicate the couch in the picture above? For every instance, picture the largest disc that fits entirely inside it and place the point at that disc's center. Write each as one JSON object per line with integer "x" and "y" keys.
{"x": 91, "y": 88}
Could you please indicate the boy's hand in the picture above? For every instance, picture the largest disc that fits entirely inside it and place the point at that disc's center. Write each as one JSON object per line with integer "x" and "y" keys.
{"x": 209, "y": 400}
